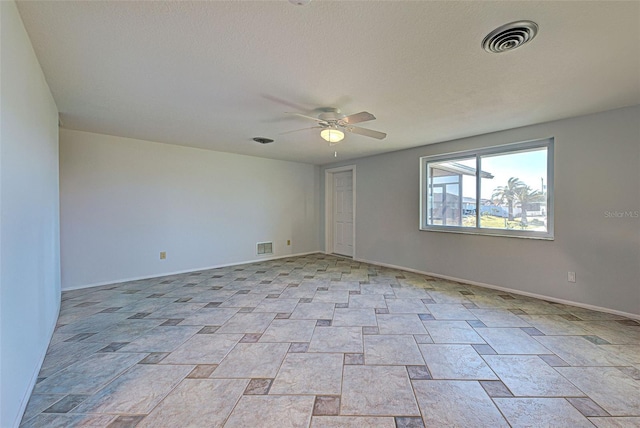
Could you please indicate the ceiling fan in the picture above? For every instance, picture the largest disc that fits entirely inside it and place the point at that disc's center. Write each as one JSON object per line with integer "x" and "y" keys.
{"x": 333, "y": 124}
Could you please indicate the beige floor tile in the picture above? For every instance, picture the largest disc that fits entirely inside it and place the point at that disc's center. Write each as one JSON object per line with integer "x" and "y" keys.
{"x": 614, "y": 391}
{"x": 247, "y": 323}
{"x": 145, "y": 305}
{"x": 273, "y": 288}
{"x": 86, "y": 377}
{"x": 197, "y": 403}
{"x": 361, "y": 301}
{"x": 252, "y": 360}
{"x": 309, "y": 373}
{"x": 499, "y": 318}
{"x": 376, "y": 289}
{"x": 332, "y": 296}
{"x": 547, "y": 412}
{"x": 589, "y": 315}
{"x": 125, "y": 331}
{"x": 539, "y": 307}
{"x": 203, "y": 349}
{"x": 491, "y": 301}
{"x": 70, "y": 313}
{"x": 452, "y": 332}
{"x": 39, "y": 402}
{"x": 244, "y": 300}
{"x": 400, "y": 324}
{"x": 277, "y": 305}
{"x": 616, "y": 422}
{"x": 344, "y": 285}
{"x": 276, "y": 411}
{"x": 456, "y": 404}
{"x": 313, "y": 311}
{"x": 210, "y": 316}
{"x": 161, "y": 339}
{"x": 578, "y": 351}
{"x": 410, "y": 293}
{"x": 298, "y": 293}
{"x": 377, "y": 390}
{"x": 459, "y": 362}
{"x": 450, "y": 311}
{"x": 63, "y": 354}
{"x": 336, "y": 339}
{"x": 511, "y": 341}
{"x": 381, "y": 349}
{"x": 50, "y": 420}
{"x": 527, "y": 375}
{"x": 613, "y": 332}
{"x": 406, "y": 306}
{"x": 288, "y": 330}
{"x": 348, "y": 317}
{"x": 138, "y": 390}
{"x": 447, "y": 296}
{"x": 352, "y": 422}
{"x": 627, "y": 352}
{"x": 555, "y": 325}
{"x": 177, "y": 310}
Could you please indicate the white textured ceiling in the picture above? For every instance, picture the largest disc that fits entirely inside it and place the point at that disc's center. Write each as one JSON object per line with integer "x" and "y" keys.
{"x": 215, "y": 74}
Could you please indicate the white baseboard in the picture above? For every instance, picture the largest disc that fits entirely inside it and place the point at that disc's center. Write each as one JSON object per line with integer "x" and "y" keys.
{"x": 137, "y": 278}
{"x": 435, "y": 275}
{"x": 506, "y": 289}
{"x": 34, "y": 375}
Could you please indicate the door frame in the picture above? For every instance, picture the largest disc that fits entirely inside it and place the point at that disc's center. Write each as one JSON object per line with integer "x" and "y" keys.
{"x": 328, "y": 206}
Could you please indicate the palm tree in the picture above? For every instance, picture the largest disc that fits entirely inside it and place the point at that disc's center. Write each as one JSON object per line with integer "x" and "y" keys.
{"x": 507, "y": 194}
{"x": 525, "y": 196}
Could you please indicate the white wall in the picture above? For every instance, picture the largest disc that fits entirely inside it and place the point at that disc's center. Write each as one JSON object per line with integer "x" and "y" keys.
{"x": 597, "y": 169}
{"x": 123, "y": 201}
{"x": 29, "y": 221}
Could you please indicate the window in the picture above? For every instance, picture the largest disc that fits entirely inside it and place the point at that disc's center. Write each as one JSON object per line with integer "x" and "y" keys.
{"x": 504, "y": 190}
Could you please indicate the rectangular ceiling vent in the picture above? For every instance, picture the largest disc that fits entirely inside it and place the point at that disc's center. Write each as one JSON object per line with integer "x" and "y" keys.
{"x": 264, "y": 248}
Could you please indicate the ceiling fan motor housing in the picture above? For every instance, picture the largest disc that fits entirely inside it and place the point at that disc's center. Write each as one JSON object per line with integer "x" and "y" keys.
{"x": 331, "y": 115}
{"x": 331, "y": 118}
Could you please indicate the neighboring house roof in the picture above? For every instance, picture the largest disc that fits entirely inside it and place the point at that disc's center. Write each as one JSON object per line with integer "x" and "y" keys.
{"x": 458, "y": 168}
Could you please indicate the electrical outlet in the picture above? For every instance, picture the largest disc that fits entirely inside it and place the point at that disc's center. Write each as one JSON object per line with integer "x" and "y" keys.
{"x": 163, "y": 255}
{"x": 571, "y": 276}
{"x": 288, "y": 241}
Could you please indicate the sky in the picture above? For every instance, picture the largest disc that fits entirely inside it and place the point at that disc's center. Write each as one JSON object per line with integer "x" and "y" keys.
{"x": 528, "y": 166}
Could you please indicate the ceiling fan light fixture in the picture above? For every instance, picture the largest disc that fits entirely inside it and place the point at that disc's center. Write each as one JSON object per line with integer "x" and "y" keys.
{"x": 332, "y": 135}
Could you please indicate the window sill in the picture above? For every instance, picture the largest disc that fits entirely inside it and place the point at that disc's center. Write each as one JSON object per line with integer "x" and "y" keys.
{"x": 491, "y": 232}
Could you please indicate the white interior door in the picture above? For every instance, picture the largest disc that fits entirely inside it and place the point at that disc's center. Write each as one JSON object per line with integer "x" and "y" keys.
{"x": 343, "y": 213}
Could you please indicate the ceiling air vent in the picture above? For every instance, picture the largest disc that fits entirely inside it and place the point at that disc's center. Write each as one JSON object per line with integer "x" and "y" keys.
{"x": 264, "y": 248}
{"x": 262, "y": 140}
{"x": 510, "y": 36}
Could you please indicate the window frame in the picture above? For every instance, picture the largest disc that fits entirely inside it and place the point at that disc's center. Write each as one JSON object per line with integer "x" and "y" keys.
{"x": 503, "y": 149}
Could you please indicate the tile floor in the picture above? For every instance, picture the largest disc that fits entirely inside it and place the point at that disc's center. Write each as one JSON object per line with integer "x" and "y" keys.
{"x": 323, "y": 341}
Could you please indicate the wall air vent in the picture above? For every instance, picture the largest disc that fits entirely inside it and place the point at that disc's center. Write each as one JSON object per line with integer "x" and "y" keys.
{"x": 510, "y": 36}
{"x": 263, "y": 248}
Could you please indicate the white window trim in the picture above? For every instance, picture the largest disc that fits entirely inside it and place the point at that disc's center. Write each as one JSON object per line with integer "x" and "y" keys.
{"x": 548, "y": 143}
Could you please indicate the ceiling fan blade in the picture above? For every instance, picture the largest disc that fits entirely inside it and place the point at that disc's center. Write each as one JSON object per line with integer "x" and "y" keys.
{"x": 363, "y": 116}
{"x": 301, "y": 129}
{"x": 305, "y": 116}
{"x": 366, "y": 132}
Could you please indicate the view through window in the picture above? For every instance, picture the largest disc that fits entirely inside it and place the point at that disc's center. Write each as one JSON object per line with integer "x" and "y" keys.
{"x": 504, "y": 190}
